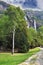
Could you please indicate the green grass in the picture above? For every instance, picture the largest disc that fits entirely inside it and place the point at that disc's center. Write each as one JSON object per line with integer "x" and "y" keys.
{"x": 8, "y": 59}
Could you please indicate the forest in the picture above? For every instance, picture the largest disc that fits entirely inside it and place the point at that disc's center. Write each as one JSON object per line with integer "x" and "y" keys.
{"x": 24, "y": 38}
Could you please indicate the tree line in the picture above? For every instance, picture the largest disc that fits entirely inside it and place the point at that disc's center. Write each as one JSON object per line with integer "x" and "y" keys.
{"x": 25, "y": 38}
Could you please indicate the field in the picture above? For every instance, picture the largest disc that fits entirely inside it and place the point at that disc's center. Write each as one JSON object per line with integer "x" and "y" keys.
{"x": 9, "y": 59}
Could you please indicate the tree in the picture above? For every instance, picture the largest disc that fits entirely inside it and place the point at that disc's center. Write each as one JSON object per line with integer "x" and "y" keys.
{"x": 14, "y": 24}
{"x": 32, "y": 37}
{"x": 21, "y": 39}
{"x": 6, "y": 28}
{"x": 40, "y": 36}
{"x": 11, "y": 12}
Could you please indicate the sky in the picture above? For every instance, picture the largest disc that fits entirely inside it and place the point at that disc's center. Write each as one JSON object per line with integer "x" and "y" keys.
{"x": 39, "y": 3}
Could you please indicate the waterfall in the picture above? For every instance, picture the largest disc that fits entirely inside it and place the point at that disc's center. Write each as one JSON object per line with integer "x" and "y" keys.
{"x": 35, "y": 24}
{"x": 27, "y": 21}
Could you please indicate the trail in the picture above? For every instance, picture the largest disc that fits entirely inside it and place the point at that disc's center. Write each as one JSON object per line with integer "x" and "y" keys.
{"x": 36, "y": 59}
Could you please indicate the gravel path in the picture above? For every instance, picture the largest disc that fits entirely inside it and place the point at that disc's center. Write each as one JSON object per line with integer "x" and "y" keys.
{"x": 35, "y": 59}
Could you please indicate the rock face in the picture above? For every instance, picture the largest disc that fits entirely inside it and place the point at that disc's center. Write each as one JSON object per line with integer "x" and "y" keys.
{"x": 30, "y": 22}
{"x": 34, "y": 24}
{"x": 3, "y": 5}
{"x": 24, "y": 3}
{"x": 29, "y": 14}
{"x": 34, "y": 18}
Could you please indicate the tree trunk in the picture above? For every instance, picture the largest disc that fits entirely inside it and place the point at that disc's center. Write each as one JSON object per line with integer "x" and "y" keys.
{"x": 13, "y": 41}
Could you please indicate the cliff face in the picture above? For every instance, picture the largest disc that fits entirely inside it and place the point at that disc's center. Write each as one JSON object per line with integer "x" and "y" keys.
{"x": 34, "y": 18}
{"x": 3, "y": 5}
{"x": 24, "y": 3}
{"x": 36, "y": 14}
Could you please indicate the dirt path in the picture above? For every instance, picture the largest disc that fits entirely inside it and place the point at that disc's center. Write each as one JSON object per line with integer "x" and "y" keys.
{"x": 35, "y": 59}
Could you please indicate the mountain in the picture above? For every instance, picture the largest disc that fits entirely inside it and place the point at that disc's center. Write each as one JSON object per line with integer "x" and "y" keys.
{"x": 3, "y": 6}
{"x": 37, "y": 15}
{"x": 32, "y": 4}
{"x": 26, "y": 4}
{"x": 23, "y": 3}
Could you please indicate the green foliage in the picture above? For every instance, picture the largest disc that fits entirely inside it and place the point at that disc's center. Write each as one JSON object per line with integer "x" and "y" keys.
{"x": 40, "y": 35}
{"x": 21, "y": 40}
{"x": 6, "y": 26}
{"x": 13, "y": 18}
{"x": 17, "y": 15}
{"x": 17, "y": 58}
{"x": 32, "y": 37}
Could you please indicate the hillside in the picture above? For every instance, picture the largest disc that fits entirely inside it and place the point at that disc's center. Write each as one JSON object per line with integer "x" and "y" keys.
{"x": 3, "y": 6}
{"x": 37, "y": 14}
{"x": 23, "y": 3}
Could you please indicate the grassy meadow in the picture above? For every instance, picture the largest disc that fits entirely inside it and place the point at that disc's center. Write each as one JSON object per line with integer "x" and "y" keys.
{"x": 9, "y": 59}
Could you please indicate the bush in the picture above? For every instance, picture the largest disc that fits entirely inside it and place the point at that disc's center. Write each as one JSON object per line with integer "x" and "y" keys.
{"x": 32, "y": 37}
{"x": 21, "y": 40}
